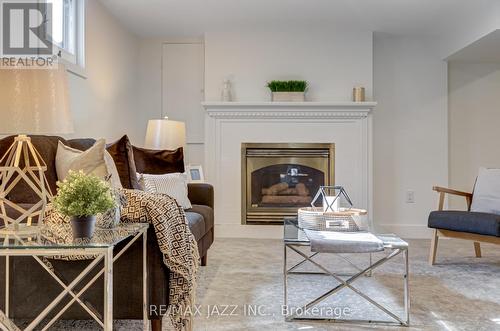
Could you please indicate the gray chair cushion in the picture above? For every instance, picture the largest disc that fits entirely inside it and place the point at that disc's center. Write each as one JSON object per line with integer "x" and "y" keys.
{"x": 196, "y": 224}
{"x": 465, "y": 221}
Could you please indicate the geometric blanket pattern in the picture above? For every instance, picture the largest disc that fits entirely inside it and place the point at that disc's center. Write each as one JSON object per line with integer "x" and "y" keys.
{"x": 178, "y": 245}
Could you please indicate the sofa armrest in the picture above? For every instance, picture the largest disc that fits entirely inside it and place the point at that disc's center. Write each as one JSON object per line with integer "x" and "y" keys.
{"x": 443, "y": 191}
{"x": 201, "y": 194}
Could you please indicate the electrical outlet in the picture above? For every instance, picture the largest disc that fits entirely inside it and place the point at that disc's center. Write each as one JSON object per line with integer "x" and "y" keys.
{"x": 410, "y": 196}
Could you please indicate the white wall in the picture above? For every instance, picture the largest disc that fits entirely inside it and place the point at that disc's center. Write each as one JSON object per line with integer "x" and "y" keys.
{"x": 410, "y": 85}
{"x": 150, "y": 90}
{"x": 331, "y": 61}
{"x": 105, "y": 103}
{"x": 474, "y": 118}
{"x": 410, "y": 132}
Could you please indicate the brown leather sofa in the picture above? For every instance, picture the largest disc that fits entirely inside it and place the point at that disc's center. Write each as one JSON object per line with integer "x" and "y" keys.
{"x": 32, "y": 289}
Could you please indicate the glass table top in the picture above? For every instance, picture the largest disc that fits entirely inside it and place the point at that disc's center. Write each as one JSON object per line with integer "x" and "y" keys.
{"x": 61, "y": 237}
{"x": 293, "y": 234}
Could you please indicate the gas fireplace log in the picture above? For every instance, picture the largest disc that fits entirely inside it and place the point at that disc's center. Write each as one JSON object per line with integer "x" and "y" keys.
{"x": 286, "y": 199}
{"x": 275, "y": 189}
{"x": 288, "y": 191}
{"x": 302, "y": 190}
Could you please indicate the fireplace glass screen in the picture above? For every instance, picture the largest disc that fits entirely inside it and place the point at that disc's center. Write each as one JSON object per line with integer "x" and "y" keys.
{"x": 285, "y": 185}
{"x": 277, "y": 179}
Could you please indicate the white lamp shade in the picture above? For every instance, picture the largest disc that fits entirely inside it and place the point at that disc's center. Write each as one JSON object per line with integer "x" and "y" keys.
{"x": 165, "y": 134}
{"x": 34, "y": 101}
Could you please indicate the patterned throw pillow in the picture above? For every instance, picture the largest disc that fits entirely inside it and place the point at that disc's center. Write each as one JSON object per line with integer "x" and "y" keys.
{"x": 174, "y": 185}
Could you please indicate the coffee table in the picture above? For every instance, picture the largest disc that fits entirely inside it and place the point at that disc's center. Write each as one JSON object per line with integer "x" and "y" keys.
{"x": 52, "y": 242}
{"x": 294, "y": 238}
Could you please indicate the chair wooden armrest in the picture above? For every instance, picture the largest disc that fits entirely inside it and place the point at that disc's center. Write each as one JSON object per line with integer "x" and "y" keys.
{"x": 451, "y": 191}
{"x": 443, "y": 191}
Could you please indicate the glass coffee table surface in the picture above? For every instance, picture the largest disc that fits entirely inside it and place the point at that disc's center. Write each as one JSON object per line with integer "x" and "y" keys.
{"x": 293, "y": 234}
{"x": 61, "y": 237}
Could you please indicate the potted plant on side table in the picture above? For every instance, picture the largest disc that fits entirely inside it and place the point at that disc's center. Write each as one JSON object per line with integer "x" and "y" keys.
{"x": 292, "y": 90}
{"x": 81, "y": 197}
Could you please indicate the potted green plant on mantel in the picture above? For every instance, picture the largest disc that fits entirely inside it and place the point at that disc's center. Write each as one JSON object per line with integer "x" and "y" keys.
{"x": 288, "y": 91}
{"x": 81, "y": 197}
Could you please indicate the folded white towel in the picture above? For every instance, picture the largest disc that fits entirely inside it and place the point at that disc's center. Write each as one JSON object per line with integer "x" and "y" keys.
{"x": 344, "y": 242}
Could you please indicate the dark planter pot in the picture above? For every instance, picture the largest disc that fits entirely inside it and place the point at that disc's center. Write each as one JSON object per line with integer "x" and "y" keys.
{"x": 83, "y": 226}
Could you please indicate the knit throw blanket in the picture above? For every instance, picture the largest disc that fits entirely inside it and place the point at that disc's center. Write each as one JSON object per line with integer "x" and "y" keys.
{"x": 176, "y": 242}
{"x": 178, "y": 245}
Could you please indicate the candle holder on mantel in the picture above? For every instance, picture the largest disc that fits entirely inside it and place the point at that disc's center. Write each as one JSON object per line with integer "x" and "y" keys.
{"x": 336, "y": 214}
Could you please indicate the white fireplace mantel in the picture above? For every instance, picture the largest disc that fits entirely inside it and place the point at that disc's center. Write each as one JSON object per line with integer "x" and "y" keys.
{"x": 288, "y": 109}
{"x": 229, "y": 124}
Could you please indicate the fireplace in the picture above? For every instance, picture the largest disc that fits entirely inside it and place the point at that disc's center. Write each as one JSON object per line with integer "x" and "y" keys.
{"x": 277, "y": 179}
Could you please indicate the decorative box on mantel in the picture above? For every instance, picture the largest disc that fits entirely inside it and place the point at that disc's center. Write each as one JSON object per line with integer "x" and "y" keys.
{"x": 228, "y": 125}
{"x": 288, "y": 96}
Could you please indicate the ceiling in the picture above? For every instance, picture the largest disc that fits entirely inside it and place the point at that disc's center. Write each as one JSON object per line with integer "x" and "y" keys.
{"x": 486, "y": 49}
{"x": 181, "y": 18}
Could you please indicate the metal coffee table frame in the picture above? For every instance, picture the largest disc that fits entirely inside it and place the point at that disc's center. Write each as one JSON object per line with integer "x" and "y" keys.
{"x": 98, "y": 253}
{"x": 391, "y": 243}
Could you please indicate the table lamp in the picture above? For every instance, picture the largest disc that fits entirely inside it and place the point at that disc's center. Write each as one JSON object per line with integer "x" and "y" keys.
{"x": 165, "y": 134}
{"x": 32, "y": 101}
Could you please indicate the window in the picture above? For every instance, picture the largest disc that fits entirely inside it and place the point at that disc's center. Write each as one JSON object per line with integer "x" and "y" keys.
{"x": 68, "y": 19}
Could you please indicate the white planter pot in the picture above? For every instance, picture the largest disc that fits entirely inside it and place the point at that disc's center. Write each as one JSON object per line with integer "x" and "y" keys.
{"x": 288, "y": 96}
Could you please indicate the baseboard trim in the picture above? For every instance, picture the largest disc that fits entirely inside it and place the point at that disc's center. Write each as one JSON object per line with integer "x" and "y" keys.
{"x": 410, "y": 231}
{"x": 249, "y": 231}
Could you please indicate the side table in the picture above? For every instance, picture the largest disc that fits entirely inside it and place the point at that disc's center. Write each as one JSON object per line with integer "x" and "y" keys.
{"x": 51, "y": 242}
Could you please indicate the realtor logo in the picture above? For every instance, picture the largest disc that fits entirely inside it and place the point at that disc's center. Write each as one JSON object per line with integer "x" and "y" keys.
{"x": 26, "y": 28}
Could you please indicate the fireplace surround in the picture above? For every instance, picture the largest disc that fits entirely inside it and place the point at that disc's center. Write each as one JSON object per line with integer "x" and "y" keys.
{"x": 279, "y": 178}
{"x": 230, "y": 124}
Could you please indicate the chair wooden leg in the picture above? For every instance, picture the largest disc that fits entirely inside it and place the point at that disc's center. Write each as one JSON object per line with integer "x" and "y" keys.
{"x": 204, "y": 260}
{"x": 477, "y": 248}
{"x": 156, "y": 325}
{"x": 434, "y": 244}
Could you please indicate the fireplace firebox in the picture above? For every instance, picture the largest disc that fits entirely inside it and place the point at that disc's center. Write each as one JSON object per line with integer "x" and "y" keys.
{"x": 277, "y": 179}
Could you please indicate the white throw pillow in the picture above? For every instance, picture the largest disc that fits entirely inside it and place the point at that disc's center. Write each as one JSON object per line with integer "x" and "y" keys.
{"x": 486, "y": 198}
{"x": 95, "y": 160}
{"x": 174, "y": 185}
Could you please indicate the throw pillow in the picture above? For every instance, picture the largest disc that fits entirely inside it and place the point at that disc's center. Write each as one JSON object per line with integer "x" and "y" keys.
{"x": 149, "y": 161}
{"x": 95, "y": 160}
{"x": 173, "y": 185}
{"x": 123, "y": 155}
{"x": 486, "y": 198}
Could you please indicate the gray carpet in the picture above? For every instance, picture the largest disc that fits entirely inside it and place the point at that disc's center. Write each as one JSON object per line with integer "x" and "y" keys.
{"x": 461, "y": 292}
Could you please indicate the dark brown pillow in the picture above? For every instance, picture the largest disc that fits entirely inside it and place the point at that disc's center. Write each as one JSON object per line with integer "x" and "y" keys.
{"x": 123, "y": 155}
{"x": 156, "y": 162}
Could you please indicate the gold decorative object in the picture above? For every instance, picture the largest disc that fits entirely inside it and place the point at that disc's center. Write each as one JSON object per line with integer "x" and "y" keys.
{"x": 33, "y": 101}
{"x": 16, "y": 166}
{"x": 358, "y": 94}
